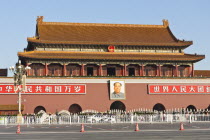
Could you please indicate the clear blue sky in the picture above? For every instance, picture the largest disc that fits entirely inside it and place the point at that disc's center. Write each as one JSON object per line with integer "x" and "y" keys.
{"x": 188, "y": 19}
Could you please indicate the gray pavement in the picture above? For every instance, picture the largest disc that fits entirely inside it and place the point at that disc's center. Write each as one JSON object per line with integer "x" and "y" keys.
{"x": 156, "y": 131}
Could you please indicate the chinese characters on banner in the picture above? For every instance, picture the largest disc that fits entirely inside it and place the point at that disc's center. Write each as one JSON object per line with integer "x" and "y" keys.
{"x": 46, "y": 89}
{"x": 179, "y": 89}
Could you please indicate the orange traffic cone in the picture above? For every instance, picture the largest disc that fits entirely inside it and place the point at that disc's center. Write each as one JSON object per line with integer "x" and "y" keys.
{"x": 18, "y": 129}
{"x": 82, "y": 128}
{"x": 137, "y": 127}
{"x": 181, "y": 126}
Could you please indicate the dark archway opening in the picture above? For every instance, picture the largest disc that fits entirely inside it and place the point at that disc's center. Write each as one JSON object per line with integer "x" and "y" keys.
{"x": 117, "y": 105}
{"x": 208, "y": 108}
{"x": 38, "y": 108}
{"x": 75, "y": 108}
{"x": 131, "y": 71}
{"x": 111, "y": 71}
{"x": 159, "y": 107}
{"x": 191, "y": 108}
{"x": 89, "y": 71}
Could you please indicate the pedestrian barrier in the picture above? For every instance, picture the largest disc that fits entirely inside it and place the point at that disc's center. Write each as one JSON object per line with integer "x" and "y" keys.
{"x": 99, "y": 119}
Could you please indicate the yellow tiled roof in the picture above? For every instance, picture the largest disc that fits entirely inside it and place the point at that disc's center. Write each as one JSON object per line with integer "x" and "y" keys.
{"x": 205, "y": 73}
{"x": 113, "y": 34}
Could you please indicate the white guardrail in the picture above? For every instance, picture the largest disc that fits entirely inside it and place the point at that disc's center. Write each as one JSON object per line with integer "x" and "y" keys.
{"x": 98, "y": 119}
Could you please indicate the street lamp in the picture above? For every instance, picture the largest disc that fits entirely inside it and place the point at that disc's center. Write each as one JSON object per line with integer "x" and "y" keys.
{"x": 19, "y": 82}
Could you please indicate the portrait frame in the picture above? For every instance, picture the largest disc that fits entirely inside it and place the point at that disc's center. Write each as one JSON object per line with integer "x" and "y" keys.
{"x": 122, "y": 95}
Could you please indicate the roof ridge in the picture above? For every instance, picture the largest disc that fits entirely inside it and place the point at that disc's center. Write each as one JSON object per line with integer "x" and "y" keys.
{"x": 102, "y": 24}
{"x": 40, "y": 21}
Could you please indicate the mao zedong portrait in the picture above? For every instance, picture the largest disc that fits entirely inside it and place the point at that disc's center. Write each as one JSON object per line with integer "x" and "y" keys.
{"x": 117, "y": 94}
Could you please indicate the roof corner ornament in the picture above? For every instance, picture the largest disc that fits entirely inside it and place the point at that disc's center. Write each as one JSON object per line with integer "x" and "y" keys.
{"x": 165, "y": 23}
{"x": 39, "y": 19}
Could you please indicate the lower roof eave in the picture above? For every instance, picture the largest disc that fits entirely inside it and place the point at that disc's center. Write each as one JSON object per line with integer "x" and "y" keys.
{"x": 110, "y": 60}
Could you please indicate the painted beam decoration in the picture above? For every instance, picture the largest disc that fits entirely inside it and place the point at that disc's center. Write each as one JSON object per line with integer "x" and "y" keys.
{"x": 178, "y": 89}
{"x": 46, "y": 89}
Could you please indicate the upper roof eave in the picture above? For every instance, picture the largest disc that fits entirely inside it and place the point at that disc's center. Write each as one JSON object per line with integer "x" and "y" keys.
{"x": 178, "y": 44}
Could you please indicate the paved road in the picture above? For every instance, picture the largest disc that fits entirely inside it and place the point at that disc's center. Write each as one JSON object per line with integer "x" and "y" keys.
{"x": 194, "y": 131}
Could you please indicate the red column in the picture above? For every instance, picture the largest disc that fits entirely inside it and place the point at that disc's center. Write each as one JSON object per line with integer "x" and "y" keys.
{"x": 125, "y": 72}
{"x": 122, "y": 70}
{"x": 46, "y": 69}
{"x": 176, "y": 70}
{"x": 82, "y": 70}
{"x": 100, "y": 70}
{"x": 102, "y": 74}
{"x": 159, "y": 67}
{"x": 192, "y": 70}
{"x": 64, "y": 69}
{"x": 142, "y": 70}
{"x": 157, "y": 71}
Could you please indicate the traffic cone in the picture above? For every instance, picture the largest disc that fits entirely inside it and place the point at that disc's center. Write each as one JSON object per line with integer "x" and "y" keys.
{"x": 82, "y": 128}
{"x": 137, "y": 127}
{"x": 181, "y": 126}
{"x": 18, "y": 129}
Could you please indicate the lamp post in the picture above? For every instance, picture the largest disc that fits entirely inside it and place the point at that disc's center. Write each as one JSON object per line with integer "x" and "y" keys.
{"x": 19, "y": 83}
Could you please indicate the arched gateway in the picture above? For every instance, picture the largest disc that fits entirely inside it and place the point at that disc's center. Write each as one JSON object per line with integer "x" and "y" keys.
{"x": 191, "y": 108}
{"x": 75, "y": 108}
{"x": 117, "y": 105}
{"x": 159, "y": 107}
{"x": 208, "y": 107}
{"x": 38, "y": 108}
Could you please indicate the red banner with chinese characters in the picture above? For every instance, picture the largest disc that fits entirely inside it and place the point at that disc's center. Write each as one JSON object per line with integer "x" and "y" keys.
{"x": 46, "y": 89}
{"x": 178, "y": 89}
